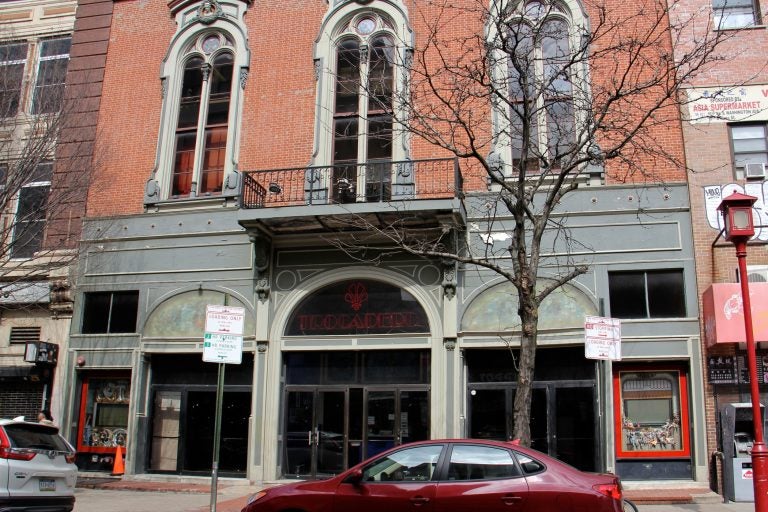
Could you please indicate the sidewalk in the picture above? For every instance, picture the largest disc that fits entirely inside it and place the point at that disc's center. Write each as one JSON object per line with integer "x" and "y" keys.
{"x": 232, "y": 493}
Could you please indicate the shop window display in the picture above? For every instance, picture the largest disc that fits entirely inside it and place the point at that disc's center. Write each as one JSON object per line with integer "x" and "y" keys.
{"x": 651, "y": 413}
{"x": 103, "y": 418}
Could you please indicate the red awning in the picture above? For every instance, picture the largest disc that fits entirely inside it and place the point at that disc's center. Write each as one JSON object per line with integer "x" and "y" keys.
{"x": 724, "y": 313}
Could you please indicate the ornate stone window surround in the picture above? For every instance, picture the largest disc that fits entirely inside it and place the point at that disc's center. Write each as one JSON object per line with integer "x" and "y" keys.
{"x": 194, "y": 26}
{"x": 339, "y": 25}
{"x": 572, "y": 14}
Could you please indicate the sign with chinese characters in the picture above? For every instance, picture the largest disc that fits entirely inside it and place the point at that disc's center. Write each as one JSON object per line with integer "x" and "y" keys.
{"x": 223, "y": 338}
{"x": 744, "y": 103}
{"x": 734, "y": 369}
{"x": 602, "y": 338}
{"x": 722, "y": 370}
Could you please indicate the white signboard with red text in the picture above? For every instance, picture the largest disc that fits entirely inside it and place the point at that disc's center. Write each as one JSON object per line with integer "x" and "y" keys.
{"x": 223, "y": 339}
{"x": 602, "y": 338}
{"x": 721, "y": 105}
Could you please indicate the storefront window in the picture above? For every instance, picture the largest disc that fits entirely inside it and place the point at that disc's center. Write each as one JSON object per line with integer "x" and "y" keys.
{"x": 651, "y": 413}
{"x": 104, "y": 413}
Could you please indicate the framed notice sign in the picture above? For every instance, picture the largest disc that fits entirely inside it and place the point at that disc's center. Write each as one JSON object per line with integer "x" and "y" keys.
{"x": 602, "y": 338}
{"x": 223, "y": 339}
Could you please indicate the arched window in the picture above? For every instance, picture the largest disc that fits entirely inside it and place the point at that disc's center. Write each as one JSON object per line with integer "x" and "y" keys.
{"x": 362, "y": 53}
{"x": 538, "y": 123}
{"x": 203, "y": 79}
{"x": 202, "y": 127}
{"x": 362, "y": 119}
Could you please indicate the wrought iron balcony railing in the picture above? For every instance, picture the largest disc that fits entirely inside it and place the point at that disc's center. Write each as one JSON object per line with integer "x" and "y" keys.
{"x": 377, "y": 181}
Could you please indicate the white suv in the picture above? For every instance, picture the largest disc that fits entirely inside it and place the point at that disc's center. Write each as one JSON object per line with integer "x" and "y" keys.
{"x": 37, "y": 468}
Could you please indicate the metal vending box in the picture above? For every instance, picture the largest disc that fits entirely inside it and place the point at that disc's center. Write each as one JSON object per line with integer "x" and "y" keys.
{"x": 737, "y": 431}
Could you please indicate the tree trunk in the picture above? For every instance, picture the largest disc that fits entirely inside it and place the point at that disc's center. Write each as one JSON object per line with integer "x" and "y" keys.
{"x": 526, "y": 367}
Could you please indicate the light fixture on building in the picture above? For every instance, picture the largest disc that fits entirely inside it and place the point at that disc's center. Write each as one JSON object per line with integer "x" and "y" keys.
{"x": 275, "y": 188}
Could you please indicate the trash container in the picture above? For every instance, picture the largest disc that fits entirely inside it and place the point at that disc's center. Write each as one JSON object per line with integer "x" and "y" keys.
{"x": 738, "y": 435}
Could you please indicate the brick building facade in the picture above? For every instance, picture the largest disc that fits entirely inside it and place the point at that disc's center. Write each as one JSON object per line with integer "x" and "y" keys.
{"x": 219, "y": 180}
{"x": 726, "y": 143}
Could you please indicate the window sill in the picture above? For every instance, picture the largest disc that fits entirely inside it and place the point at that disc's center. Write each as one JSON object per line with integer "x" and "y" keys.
{"x": 195, "y": 203}
{"x": 746, "y": 27}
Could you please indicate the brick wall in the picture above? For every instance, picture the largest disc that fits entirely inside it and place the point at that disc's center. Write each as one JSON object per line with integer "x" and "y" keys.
{"x": 77, "y": 157}
{"x": 278, "y": 119}
{"x": 740, "y": 60}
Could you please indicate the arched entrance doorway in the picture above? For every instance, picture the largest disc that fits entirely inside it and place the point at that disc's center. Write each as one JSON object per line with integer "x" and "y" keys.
{"x": 342, "y": 406}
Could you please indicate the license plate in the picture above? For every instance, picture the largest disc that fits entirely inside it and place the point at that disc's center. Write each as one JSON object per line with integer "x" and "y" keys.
{"x": 47, "y": 484}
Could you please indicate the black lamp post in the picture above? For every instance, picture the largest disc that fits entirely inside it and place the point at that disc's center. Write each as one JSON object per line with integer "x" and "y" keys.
{"x": 739, "y": 228}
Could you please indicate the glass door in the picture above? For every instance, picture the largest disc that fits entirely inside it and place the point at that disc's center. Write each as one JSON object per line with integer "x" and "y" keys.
{"x": 563, "y": 420}
{"x": 395, "y": 417}
{"x": 199, "y": 424}
{"x": 414, "y": 415}
{"x": 575, "y": 426}
{"x": 380, "y": 421}
{"x": 315, "y": 432}
{"x": 330, "y": 430}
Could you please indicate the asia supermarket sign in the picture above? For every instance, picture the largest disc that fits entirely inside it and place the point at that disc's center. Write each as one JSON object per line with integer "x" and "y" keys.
{"x": 714, "y": 104}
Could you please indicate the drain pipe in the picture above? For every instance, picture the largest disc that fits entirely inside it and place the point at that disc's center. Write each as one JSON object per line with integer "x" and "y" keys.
{"x": 720, "y": 455}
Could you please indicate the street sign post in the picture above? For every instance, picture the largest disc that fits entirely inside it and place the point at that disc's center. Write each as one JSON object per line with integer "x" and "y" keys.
{"x": 602, "y": 338}
{"x": 223, "y": 344}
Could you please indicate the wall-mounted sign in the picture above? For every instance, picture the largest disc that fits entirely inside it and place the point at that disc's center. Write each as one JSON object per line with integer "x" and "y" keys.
{"x": 358, "y": 307}
{"x": 723, "y": 312}
{"x": 712, "y": 104}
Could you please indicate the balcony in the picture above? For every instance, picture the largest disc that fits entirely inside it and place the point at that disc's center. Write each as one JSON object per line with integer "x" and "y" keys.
{"x": 416, "y": 194}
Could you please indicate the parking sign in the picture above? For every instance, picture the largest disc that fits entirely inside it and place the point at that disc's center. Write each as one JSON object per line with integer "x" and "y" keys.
{"x": 223, "y": 339}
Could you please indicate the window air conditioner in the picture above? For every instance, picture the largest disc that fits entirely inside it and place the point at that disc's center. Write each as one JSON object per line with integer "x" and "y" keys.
{"x": 754, "y": 170}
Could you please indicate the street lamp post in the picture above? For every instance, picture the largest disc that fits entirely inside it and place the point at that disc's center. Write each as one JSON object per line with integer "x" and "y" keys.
{"x": 739, "y": 228}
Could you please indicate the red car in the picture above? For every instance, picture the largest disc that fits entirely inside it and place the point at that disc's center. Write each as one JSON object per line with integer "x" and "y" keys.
{"x": 450, "y": 475}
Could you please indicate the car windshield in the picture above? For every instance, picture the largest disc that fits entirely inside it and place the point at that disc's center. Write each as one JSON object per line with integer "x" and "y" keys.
{"x": 35, "y": 436}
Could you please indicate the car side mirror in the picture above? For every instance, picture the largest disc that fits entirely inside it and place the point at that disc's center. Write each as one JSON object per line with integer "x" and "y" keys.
{"x": 355, "y": 477}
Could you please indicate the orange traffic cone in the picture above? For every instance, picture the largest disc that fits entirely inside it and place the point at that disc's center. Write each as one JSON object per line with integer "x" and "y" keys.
{"x": 118, "y": 468}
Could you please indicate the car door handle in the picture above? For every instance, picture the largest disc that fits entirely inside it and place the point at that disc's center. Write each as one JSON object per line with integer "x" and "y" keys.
{"x": 511, "y": 500}
{"x": 419, "y": 501}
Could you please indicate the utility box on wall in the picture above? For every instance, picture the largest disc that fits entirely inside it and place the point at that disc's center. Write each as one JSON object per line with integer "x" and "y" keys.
{"x": 738, "y": 434}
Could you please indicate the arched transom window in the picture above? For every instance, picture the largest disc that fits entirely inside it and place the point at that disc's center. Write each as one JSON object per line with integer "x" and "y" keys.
{"x": 203, "y": 117}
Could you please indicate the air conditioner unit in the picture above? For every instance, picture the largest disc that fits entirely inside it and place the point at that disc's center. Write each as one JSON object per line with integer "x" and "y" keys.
{"x": 754, "y": 170}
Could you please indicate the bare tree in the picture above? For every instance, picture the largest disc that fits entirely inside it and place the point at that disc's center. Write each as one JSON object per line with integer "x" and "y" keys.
{"x": 535, "y": 100}
{"x": 40, "y": 187}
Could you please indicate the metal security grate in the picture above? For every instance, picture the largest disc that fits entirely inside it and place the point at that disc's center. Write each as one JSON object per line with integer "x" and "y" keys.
{"x": 25, "y": 334}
